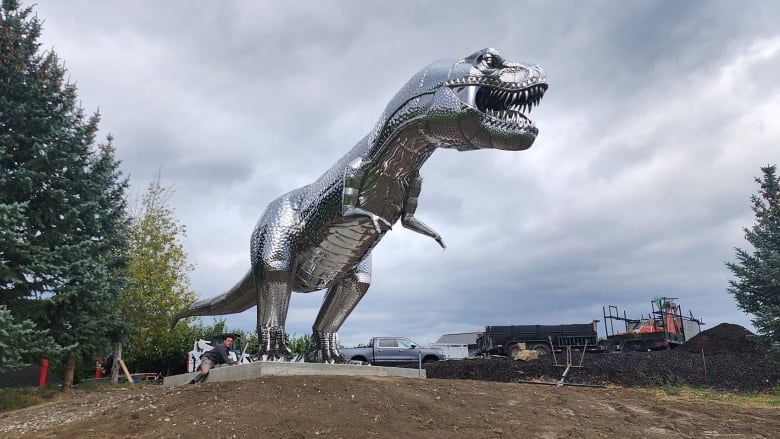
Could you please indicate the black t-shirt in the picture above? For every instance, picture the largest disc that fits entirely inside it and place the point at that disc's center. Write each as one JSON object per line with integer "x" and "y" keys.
{"x": 219, "y": 355}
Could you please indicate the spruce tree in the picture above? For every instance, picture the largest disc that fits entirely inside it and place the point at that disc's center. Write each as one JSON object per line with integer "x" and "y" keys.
{"x": 756, "y": 286}
{"x": 62, "y": 197}
{"x": 21, "y": 343}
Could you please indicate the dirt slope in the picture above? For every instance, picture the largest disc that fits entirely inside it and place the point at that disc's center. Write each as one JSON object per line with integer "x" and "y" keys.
{"x": 461, "y": 399}
{"x": 343, "y": 407}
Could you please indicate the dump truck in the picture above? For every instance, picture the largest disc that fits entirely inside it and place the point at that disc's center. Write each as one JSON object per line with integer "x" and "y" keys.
{"x": 509, "y": 340}
{"x": 664, "y": 328}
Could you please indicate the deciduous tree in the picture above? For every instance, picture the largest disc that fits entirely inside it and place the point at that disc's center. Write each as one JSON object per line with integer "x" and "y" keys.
{"x": 159, "y": 283}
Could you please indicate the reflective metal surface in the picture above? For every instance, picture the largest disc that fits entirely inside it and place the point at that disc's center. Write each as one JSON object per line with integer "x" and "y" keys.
{"x": 320, "y": 236}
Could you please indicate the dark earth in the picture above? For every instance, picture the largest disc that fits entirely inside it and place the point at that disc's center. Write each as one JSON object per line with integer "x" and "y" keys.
{"x": 460, "y": 399}
{"x": 723, "y": 357}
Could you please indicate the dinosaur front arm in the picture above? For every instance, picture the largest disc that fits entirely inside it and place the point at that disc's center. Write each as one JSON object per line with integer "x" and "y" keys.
{"x": 353, "y": 178}
{"x": 410, "y": 206}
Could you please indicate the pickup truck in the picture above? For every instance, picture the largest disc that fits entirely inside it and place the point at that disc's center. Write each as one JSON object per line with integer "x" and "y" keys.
{"x": 392, "y": 351}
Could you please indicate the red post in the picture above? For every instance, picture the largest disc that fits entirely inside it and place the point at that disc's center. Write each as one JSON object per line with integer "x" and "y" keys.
{"x": 44, "y": 371}
{"x": 99, "y": 368}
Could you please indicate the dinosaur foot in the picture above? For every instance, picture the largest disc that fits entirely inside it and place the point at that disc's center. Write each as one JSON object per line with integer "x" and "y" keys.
{"x": 273, "y": 344}
{"x": 292, "y": 358}
{"x": 325, "y": 347}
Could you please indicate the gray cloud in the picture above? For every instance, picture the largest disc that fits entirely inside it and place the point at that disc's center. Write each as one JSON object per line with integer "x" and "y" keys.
{"x": 658, "y": 117}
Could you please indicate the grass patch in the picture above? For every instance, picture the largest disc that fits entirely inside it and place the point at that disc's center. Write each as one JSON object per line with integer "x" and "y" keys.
{"x": 19, "y": 398}
{"x": 668, "y": 383}
{"x": 770, "y": 399}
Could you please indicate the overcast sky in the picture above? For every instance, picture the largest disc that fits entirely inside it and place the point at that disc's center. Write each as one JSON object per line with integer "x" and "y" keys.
{"x": 658, "y": 117}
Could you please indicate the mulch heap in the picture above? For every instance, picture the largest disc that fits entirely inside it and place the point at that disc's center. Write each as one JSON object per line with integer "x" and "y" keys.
{"x": 724, "y": 357}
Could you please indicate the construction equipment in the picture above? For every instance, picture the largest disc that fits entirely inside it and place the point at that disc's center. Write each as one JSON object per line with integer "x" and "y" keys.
{"x": 664, "y": 328}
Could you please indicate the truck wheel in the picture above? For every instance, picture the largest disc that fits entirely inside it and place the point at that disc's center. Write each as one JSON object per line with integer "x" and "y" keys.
{"x": 427, "y": 360}
{"x": 543, "y": 349}
{"x": 512, "y": 350}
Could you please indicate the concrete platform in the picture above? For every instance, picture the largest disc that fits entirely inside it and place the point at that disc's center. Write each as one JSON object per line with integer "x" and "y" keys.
{"x": 269, "y": 368}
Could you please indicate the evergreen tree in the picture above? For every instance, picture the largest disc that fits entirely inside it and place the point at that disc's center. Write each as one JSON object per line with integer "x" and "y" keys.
{"x": 757, "y": 284}
{"x": 159, "y": 284}
{"x": 21, "y": 343}
{"x": 61, "y": 198}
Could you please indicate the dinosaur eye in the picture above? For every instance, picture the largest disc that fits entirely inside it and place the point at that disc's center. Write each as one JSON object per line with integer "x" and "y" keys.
{"x": 488, "y": 60}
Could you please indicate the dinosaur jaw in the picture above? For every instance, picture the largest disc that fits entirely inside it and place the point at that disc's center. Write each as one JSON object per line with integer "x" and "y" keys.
{"x": 503, "y": 107}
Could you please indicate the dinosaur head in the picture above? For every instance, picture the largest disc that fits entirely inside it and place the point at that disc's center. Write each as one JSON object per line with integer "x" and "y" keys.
{"x": 481, "y": 101}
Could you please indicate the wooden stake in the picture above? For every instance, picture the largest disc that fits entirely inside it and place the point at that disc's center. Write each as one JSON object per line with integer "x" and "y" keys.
{"x": 127, "y": 373}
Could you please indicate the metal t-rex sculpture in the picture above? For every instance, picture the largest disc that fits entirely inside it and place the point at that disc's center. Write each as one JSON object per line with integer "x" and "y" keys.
{"x": 320, "y": 236}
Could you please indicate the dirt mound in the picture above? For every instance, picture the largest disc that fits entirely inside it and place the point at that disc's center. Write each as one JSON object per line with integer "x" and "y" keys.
{"x": 722, "y": 339}
{"x": 297, "y": 407}
{"x": 729, "y": 361}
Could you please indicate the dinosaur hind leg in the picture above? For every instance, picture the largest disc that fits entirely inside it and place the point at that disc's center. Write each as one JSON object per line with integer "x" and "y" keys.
{"x": 273, "y": 300}
{"x": 271, "y": 249}
{"x": 340, "y": 300}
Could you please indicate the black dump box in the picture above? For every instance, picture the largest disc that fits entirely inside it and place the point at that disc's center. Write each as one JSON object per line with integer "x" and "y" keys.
{"x": 498, "y": 340}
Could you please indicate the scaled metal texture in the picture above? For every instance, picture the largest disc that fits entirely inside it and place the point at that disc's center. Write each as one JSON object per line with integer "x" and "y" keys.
{"x": 320, "y": 236}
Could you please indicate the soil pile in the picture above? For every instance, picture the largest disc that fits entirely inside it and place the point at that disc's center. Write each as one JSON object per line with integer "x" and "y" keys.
{"x": 725, "y": 338}
{"x": 723, "y": 357}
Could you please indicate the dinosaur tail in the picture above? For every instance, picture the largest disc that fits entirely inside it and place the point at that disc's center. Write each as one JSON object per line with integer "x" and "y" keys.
{"x": 239, "y": 298}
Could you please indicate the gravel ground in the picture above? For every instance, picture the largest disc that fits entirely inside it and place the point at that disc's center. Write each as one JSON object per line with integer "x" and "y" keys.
{"x": 723, "y": 357}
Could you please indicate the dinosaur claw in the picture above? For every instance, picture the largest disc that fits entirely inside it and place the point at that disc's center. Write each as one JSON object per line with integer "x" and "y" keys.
{"x": 375, "y": 219}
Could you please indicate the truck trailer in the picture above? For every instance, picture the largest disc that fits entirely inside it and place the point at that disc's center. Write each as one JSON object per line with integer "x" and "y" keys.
{"x": 508, "y": 340}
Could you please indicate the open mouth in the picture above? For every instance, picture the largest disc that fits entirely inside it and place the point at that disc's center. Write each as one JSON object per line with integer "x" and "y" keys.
{"x": 505, "y": 103}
